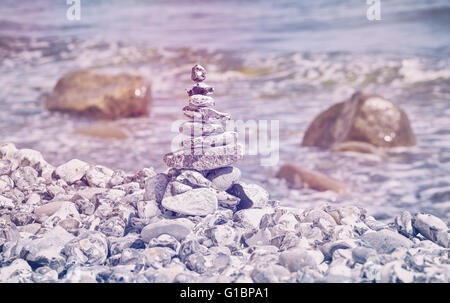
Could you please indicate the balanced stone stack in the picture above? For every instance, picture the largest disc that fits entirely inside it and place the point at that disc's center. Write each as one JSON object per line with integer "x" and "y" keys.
{"x": 206, "y": 144}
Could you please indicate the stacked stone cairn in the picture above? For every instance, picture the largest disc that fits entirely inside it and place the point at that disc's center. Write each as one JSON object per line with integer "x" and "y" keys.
{"x": 203, "y": 161}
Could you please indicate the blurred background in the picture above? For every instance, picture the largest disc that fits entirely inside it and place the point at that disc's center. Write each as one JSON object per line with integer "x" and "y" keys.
{"x": 267, "y": 59}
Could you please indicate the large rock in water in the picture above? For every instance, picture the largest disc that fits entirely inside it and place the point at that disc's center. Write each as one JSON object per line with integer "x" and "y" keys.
{"x": 97, "y": 95}
{"x": 364, "y": 118}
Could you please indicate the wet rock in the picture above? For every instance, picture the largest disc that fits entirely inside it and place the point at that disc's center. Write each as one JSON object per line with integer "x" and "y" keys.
{"x": 364, "y": 118}
{"x": 224, "y": 177}
{"x": 431, "y": 228}
{"x": 46, "y": 250}
{"x": 385, "y": 241}
{"x": 91, "y": 247}
{"x": 299, "y": 177}
{"x": 95, "y": 94}
{"x": 72, "y": 171}
{"x": 178, "y": 228}
{"x": 251, "y": 195}
{"x": 98, "y": 176}
{"x": 155, "y": 187}
{"x": 196, "y": 202}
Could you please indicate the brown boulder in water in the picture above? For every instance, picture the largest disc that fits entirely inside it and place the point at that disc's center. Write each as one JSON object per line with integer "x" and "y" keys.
{"x": 315, "y": 180}
{"x": 93, "y": 94}
{"x": 364, "y": 118}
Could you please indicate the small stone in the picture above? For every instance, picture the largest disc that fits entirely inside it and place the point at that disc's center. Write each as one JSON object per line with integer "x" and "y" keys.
{"x": 8, "y": 231}
{"x": 205, "y": 114}
{"x": 196, "y": 262}
{"x": 201, "y": 101}
{"x": 193, "y": 178}
{"x": 155, "y": 187}
{"x": 223, "y": 235}
{"x": 251, "y": 195}
{"x": 226, "y": 138}
{"x": 177, "y": 188}
{"x": 361, "y": 254}
{"x": 61, "y": 209}
{"x": 25, "y": 178}
{"x": 224, "y": 177}
{"x": 226, "y": 200}
{"x": 99, "y": 176}
{"x": 118, "y": 244}
{"x": 329, "y": 248}
{"x": 204, "y": 159}
{"x": 91, "y": 248}
{"x": 201, "y": 89}
{"x": 196, "y": 202}
{"x": 21, "y": 218}
{"x": 251, "y": 218}
{"x": 297, "y": 259}
{"x": 19, "y": 271}
{"x": 432, "y": 228}
{"x": 178, "y": 228}
{"x": 404, "y": 224}
{"x": 45, "y": 274}
{"x": 72, "y": 171}
{"x": 6, "y": 202}
{"x": 5, "y": 167}
{"x": 198, "y": 129}
{"x": 198, "y": 73}
{"x": 46, "y": 250}
{"x": 385, "y": 241}
{"x": 158, "y": 257}
{"x": 165, "y": 240}
{"x": 147, "y": 209}
{"x": 315, "y": 214}
{"x": 270, "y": 273}
{"x": 113, "y": 227}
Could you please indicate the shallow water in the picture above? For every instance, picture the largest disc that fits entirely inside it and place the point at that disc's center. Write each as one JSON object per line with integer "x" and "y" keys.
{"x": 268, "y": 60}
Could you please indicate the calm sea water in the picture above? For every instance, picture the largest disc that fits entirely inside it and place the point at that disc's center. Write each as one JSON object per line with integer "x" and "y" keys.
{"x": 275, "y": 60}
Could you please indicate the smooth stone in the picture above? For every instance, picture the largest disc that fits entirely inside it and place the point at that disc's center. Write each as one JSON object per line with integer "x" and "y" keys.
{"x": 193, "y": 178}
{"x": 299, "y": 177}
{"x": 198, "y": 73}
{"x": 158, "y": 256}
{"x": 432, "y": 228}
{"x": 361, "y": 254}
{"x": 205, "y": 114}
{"x": 72, "y": 171}
{"x": 269, "y": 273}
{"x": 155, "y": 187}
{"x": 196, "y": 202}
{"x": 201, "y": 101}
{"x": 91, "y": 247}
{"x": 226, "y": 138}
{"x": 98, "y": 176}
{"x": 403, "y": 223}
{"x": 165, "y": 240}
{"x": 201, "y": 89}
{"x": 296, "y": 259}
{"x": 224, "y": 177}
{"x": 93, "y": 93}
{"x": 385, "y": 241}
{"x": 46, "y": 250}
{"x": 19, "y": 271}
{"x": 177, "y": 188}
{"x": 251, "y": 195}
{"x": 210, "y": 158}
{"x": 62, "y": 209}
{"x": 147, "y": 209}
{"x": 198, "y": 129}
{"x": 314, "y": 215}
{"x": 177, "y": 228}
{"x": 366, "y": 118}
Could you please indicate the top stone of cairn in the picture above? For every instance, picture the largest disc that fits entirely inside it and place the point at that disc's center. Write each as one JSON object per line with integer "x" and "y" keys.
{"x": 198, "y": 73}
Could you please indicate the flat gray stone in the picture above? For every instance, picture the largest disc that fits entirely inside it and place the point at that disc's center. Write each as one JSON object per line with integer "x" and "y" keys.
{"x": 205, "y": 114}
{"x": 385, "y": 241}
{"x": 211, "y": 158}
{"x": 432, "y": 228}
{"x": 177, "y": 228}
{"x": 196, "y": 202}
{"x": 155, "y": 187}
{"x": 201, "y": 101}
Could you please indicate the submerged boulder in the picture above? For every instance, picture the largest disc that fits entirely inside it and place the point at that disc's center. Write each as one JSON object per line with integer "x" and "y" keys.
{"x": 98, "y": 95}
{"x": 364, "y": 118}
